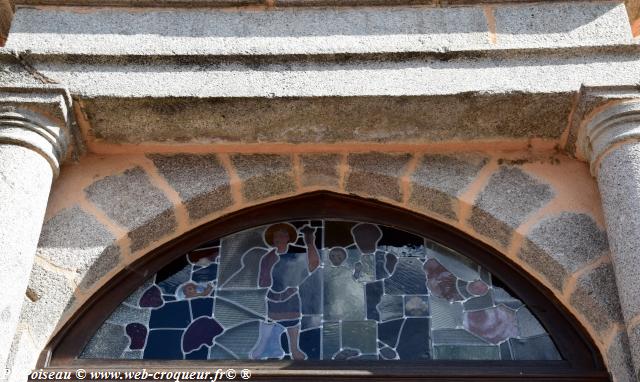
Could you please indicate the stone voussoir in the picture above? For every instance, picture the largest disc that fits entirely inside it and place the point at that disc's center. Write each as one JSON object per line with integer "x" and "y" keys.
{"x": 560, "y": 245}
{"x": 53, "y": 296}
{"x": 439, "y": 180}
{"x": 596, "y": 297}
{"x": 201, "y": 181}
{"x": 132, "y": 201}
{"x": 264, "y": 175}
{"x": 320, "y": 170}
{"x": 376, "y": 174}
{"x": 75, "y": 240}
{"x": 510, "y": 196}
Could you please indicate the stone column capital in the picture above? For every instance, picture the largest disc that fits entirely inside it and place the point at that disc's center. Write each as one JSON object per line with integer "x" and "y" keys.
{"x": 612, "y": 125}
{"x": 35, "y": 131}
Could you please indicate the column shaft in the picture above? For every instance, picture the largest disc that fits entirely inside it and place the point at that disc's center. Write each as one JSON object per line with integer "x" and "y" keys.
{"x": 25, "y": 182}
{"x": 619, "y": 183}
{"x": 31, "y": 149}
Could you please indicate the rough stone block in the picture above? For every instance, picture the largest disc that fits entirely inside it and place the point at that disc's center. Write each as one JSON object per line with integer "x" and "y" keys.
{"x": 107, "y": 261}
{"x": 376, "y": 174}
{"x": 236, "y": 31}
{"x": 75, "y": 240}
{"x": 13, "y": 73}
{"x": 561, "y": 24}
{"x": 596, "y": 297}
{"x": 439, "y": 180}
{"x": 321, "y": 119}
{"x": 54, "y": 295}
{"x": 314, "y": 30}
{"x": 619, "y": 359}
{"x": 201, "y": 181}
{"x": 264, "y": 175}
{"x": 560, "y": 245}
{"x": 133, "y": 202}
{"x": 320, "y": 169}
{"x": 510, "y": 196}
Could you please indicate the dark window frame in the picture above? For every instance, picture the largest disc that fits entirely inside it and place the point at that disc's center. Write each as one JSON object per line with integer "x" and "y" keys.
{"x": 582, "y": 360}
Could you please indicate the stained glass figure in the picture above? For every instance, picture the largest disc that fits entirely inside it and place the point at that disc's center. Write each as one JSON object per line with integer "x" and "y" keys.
{"x": 322, "y": 290}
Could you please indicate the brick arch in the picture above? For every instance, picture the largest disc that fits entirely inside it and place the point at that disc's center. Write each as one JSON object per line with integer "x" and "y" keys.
{"x": 499, "y": 202}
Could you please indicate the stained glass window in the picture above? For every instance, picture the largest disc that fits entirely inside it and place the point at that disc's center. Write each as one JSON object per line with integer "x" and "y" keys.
{"x": 322, "y": 290}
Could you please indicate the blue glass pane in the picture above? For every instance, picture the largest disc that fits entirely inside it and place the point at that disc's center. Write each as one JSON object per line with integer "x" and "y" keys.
{"x": 164, "y": 344}
{"x": 174, "y": 314}
{"x": 269, "y": 345}
{"x": 414, "y": 339}
{"x": 310, "y": 343}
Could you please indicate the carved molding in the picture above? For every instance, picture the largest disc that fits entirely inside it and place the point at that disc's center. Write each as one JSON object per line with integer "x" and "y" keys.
{"x": 615, "y": 124}
{"x": 27, "y": 129}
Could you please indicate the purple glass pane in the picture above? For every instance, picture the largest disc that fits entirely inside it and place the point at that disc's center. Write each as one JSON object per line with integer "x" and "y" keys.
{"x": 137, "y": 334}
{"x": 152, "y": 298}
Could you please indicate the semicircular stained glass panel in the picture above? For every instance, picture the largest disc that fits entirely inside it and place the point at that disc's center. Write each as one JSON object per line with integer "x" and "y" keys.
{"x": 322, "y": 290}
